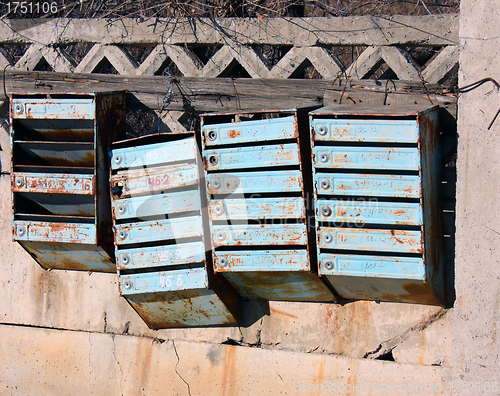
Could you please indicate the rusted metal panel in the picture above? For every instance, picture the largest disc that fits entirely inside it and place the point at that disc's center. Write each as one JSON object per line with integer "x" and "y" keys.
{"x": 257, "y": 208}
{"x": 185, "y": 308}
{"x": 371, "y": 212}
{"x": 157, "y": 179}
{"x": 372, "y": 266}
{"x": 346, "y": 130}
{"x": 69, "y": 256}
{"x": 80, "y": 109}
{"x": 368, "y": 244}
{"x": 153, "y": 154}
{"x": 60, "y": 177}
{"x": 175, "y": 280}
{"x": 161, "y": 204}
{"x": 162, "y": 274}
{"x": 279, "y": 286}
{"x": 54, "y": 232}
{"x": 65, "y": 183}
{"x": 403, "y": 241}
{"x": 259, "y": 234}
{"x": 352, "y": 184}
{"x": 250, "y": 131}
{"x": 158, "y": 230}
{"x": 347, "y": 157}
{"x": 261, "y": 261}
{"x": 252, "y": 157}
{"x": 274, "y": 262}
{"x": 157, "y": 256}
{"x": 254, "y": 182}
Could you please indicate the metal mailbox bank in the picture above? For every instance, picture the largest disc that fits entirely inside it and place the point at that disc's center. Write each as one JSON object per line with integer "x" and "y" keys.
{"x": 61, "y": 208}
{"x": 256, "y": 196}
{"x": 377, "y": 201}
{"x": 158, "y": 215}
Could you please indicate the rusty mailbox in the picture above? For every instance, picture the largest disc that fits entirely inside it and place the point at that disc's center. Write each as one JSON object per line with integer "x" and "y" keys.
{"x": 61, "y": 208}
{"x": 256, "y": 189}
{"x": 159, "y": 220}
{"x": 377, "y": 201}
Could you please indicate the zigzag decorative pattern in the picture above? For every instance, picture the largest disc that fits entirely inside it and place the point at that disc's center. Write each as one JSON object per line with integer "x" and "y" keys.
{"x": 236, "y": 48}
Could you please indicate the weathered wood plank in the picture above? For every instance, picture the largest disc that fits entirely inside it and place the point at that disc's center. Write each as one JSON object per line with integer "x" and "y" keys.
{"x": 365, "y": 30}
{"x": 221, "y": 94}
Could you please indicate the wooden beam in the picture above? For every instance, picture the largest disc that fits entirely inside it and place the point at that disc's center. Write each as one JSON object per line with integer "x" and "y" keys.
{"x": 225, "y": 94}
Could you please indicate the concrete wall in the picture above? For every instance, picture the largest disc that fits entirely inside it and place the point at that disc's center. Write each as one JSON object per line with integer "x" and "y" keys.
{"x": 476, "y": 346}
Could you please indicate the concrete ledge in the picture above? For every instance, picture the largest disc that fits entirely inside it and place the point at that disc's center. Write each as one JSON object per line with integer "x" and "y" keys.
{"x": 53, "y": 362}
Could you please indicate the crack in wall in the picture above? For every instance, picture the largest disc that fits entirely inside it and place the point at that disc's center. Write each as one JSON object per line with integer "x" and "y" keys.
{"x": 118, "y": 363}
{"x": 385, "y": 348}
{"x": 176, "y": 364}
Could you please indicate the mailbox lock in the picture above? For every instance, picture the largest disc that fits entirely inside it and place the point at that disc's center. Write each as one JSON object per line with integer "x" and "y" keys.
{"x": 126, "y": 259}
{"x": 217, "y": 184}
{"x": 213, "y": 160}
{"x": 322, "y": 130}
{"x": 19, "y": 109}
{"x": 218, "y": 210}
{"x": 326, "y": 211}
{"x": 118, "y": 159}
{"x": 221, "y": 235}
{"x": 19, "y": 182}
{"x": 122, "y": 234}
{"x": 223, "y": 262}
{"x": 21, "y": 231}
{"x": 327, "y": 238}
{"x": 127, "y": 284}
{"x": 122, "y": 208}
{"x": 324, "y": 184}
{"x": 212, "y": 135}
{"x": 328, "y": 265}
{"x": 323, "y": 157}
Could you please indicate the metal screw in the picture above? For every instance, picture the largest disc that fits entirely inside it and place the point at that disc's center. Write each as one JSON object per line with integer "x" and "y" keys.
{"x": 323, "y": 157}
{"x": 19, "y": 109}
{"x": 127, "y": 284}
{"x": 327, "y": 238}
{"x": 122, "y": 234}
{"x": 223, "y": 262}
{"x": 126, "y": 259}
{"x": 217, "y": 184}
{"x": 322, "y": 130}
{"x": 328, "y": 265}
{"x": 324, "y": 184}
{"x": 118, "y": 159}
{"x": 221, "y": 235}
{"x": 213, "y": 160}
{"x": 326, "y": 211}
{"x": 212, "y": 135}
{"x": 122, "y": 208}
{"x": 21, "y": 231}
{"x": 218, "y": 210}
{"x": 19, "y": 182}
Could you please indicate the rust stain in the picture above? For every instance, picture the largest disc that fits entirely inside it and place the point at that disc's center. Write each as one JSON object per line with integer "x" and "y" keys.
{"x": 280, "y": 312}
{"x": 228, "y": 376}
{"x": 399, "y": 212}
{"x": 234, "y": 133}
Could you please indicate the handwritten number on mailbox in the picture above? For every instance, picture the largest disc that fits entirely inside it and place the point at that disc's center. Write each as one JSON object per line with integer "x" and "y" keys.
{"x": 166, "y": 281}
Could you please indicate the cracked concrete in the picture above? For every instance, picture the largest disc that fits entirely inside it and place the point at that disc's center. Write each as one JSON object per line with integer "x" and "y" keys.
{"x": 150, "y": 367}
